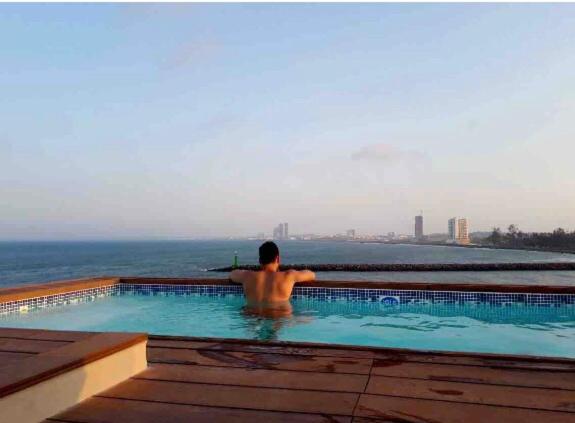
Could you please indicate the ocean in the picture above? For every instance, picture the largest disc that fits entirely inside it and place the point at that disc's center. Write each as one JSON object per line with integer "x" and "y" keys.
{"x": 34, "y": 262}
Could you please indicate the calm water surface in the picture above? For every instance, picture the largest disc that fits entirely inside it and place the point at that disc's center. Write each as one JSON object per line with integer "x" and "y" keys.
{"x": 33, "y": 262}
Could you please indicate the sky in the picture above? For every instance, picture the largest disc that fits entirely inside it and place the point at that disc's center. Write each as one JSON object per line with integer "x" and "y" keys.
{"x": 138, "y": 121}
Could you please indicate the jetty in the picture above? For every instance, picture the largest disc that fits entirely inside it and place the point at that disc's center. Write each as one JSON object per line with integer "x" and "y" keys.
{"x": 416, "y": 267}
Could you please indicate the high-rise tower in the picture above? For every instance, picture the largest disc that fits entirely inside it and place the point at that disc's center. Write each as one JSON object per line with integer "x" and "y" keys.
{"x": 419, "y": 227}
{"x": 462, "y": 231}
{"x": 452, "y": 229}
{"x": 458, "y": 230}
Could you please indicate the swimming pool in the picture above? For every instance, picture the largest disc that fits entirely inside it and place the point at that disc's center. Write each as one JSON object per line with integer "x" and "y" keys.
{"x": 511, "y": 323}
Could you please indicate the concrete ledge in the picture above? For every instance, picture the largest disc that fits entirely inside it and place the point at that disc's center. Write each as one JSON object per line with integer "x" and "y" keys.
{"x": 39, "y": 387}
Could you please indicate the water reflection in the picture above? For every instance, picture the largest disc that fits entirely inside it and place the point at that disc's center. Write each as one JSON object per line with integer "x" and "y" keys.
{"x": 265, "y": 321}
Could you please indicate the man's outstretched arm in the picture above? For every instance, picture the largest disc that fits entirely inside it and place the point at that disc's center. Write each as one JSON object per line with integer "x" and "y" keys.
{"x": 303, "y": 275}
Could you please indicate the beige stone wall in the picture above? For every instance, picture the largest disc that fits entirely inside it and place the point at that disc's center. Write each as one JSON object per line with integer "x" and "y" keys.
{"x": 54, "y": 395}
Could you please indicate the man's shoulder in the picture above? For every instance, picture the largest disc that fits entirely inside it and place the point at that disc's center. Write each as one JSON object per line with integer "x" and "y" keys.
{"x": 243, "y": 276}
{"x": 288, "y": 275}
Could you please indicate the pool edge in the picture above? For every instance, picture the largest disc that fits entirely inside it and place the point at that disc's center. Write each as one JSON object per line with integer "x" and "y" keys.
{"x": 63, "y": 287}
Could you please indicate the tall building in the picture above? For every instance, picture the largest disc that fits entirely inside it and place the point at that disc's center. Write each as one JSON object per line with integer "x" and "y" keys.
{"x": 281, "y": 231}
{"x": 350, "y": 233}
{"x": 458, "y": 230}
{"x": 462, "y": 231}
{"x": 419, "y": 227}
{"x": 452, "y": 229}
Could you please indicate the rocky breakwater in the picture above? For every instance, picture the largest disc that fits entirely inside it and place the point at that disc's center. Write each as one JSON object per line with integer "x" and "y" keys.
{"x": 418, "y": 267}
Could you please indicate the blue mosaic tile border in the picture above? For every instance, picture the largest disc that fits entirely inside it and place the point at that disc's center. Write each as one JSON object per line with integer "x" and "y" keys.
{"x": 352, "y": 295}
{"x": 56, "y": 300}
{"x": 435, "y": 297}
{"x": 385, "y": 296}
{"x": 169, "y": 290}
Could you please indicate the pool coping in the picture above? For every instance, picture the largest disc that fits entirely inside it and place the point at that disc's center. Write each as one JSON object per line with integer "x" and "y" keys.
{"x": 23, "y": 292}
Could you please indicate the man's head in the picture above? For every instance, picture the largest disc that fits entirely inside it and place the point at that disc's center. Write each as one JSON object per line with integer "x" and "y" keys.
{"x": 269, "y": 253}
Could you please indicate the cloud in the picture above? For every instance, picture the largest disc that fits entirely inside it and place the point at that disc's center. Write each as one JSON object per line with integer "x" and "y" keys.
{"x": 387, "y": 153}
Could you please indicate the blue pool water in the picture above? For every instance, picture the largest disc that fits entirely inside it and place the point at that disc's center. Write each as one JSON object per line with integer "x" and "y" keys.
{"x": 477, "y": 327}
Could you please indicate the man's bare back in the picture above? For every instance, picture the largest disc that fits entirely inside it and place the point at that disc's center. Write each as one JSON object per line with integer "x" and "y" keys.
{"x": 269, "y": 286}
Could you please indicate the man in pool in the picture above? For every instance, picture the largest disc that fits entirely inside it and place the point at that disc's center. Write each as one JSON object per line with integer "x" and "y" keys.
{"x": 269, "y": 287}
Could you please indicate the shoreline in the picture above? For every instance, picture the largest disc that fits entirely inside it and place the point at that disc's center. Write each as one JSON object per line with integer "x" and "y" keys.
{"x": 489, "y": 247}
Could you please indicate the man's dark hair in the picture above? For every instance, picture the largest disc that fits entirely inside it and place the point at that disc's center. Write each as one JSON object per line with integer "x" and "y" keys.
{"x": 269, "y": 251}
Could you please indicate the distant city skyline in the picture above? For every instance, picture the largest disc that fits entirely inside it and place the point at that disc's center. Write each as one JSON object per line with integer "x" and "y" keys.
{"x": 178, "y": 121}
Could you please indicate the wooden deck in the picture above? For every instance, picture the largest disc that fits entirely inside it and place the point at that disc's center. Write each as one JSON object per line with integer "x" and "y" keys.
{"x": 240, "y": 381}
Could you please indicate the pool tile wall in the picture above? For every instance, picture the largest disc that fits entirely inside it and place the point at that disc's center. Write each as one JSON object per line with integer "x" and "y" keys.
{"x": 384, "y": 296}
{"x": 56, "y": 300}
{"x": 365, "y": 295}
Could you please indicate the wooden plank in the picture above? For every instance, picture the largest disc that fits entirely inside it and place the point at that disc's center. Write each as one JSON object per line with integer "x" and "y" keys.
{"x": 112, "y": 410}
{"x": 29, "y": 345}
{"x": 261, "y": 361}
{"x": 44, "y": 334}
{"x": 407, "y": 410}
{"x": 270, "y": 399}
{"x": 11, "y": 357}
{"x": 472, "y": 374}
{"x": 382, "y": 420}
{"x": 60, "y": 360}
{"x": 499, "y": 362}
{"x": 381, "y": 353}
{"x": 256, "y": 377}
{"x": 544, "y": 399}
{"x": 255, "y": 347}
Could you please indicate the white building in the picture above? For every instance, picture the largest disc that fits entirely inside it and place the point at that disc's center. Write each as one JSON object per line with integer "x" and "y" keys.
{"x": 458, "y": 231}
{"x": 462, "y": 231}
{"x": 281, "y": 231}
